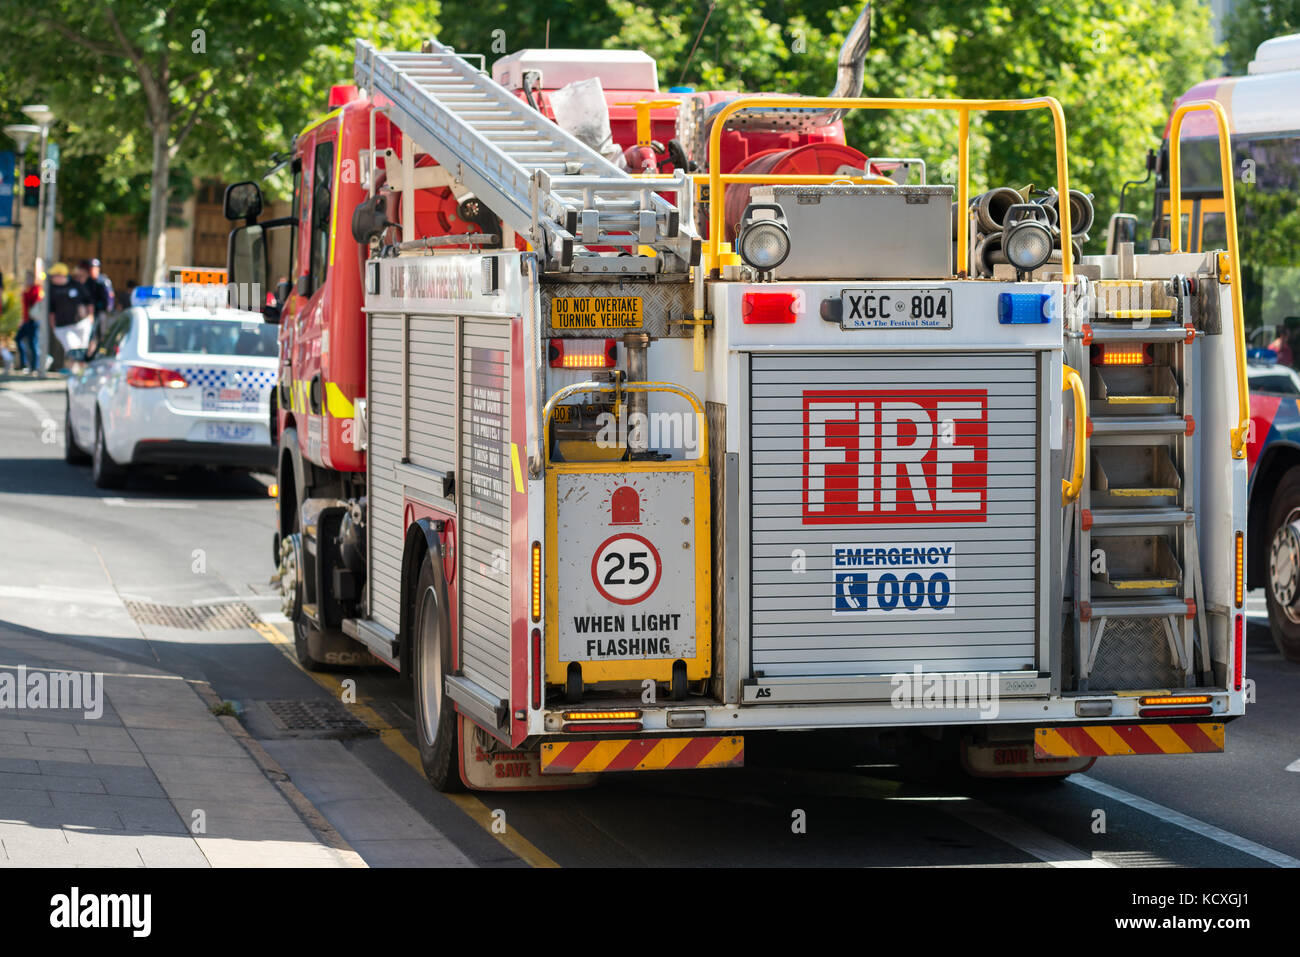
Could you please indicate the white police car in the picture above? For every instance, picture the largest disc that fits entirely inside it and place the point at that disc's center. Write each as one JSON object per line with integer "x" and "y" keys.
{"x": 174, "y": 385}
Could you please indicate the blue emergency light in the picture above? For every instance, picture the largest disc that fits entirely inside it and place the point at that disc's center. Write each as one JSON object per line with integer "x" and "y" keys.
{"x": 142, "y": 295}
{"x": 1023, "y": 308}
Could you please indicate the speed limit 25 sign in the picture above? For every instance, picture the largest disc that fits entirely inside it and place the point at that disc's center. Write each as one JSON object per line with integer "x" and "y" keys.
{"x": 625, "y": 549}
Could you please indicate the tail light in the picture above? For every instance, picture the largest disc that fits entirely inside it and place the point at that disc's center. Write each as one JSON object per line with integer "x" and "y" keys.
{"x": 537, "y": 668}
{"x": 1238, "y": 654}
{"x": 1118, "y": 354}
{"x": 153, "y": 377}
{"x": 769, "y": 307}
{"x": 583, "y": 353}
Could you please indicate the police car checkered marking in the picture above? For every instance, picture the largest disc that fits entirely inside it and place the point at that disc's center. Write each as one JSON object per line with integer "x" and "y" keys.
{"x": 251, "y": 380}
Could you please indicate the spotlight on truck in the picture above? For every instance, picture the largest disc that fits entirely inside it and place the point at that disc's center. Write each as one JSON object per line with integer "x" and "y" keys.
{"x": 1027, "y": 236}
{"x": 763, "y": 243}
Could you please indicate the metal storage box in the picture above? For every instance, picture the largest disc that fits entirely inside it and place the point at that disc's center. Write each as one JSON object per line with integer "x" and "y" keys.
{"x": 866, "y": 232}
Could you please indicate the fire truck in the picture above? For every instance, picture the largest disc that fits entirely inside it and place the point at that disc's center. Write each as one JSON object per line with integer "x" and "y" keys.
{"x": 629, "y": 424}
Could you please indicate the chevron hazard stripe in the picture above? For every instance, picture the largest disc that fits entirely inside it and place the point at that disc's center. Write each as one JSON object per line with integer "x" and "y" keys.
{"x": 642, "y": 754}
{"x": 1106, "y": 740}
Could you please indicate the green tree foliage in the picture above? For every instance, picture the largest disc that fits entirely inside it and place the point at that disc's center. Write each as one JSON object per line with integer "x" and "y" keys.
{"x": 1251, "y": 22}
{"x": 1116, "y": 65}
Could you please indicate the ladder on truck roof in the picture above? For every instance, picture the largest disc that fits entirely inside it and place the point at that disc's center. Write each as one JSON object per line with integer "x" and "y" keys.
{"x": 543, "y": 182}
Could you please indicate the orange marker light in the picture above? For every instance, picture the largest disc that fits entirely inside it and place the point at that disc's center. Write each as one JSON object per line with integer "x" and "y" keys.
{"x": 537, "y": 581}
{"x": 1241, "y": 569}
{"x": 601, "y": 715}
{"x": 1175, "y": 699}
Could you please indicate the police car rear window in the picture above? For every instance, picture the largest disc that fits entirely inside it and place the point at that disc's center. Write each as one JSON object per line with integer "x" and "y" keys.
{"x": 212, "y": 337}
{"x": 1282, "y": 384}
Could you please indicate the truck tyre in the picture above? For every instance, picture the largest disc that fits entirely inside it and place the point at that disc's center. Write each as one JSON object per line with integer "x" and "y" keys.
{"x": 1283, "y": 582}
{"x": 435, "y": 717}
{"x": 307, "y": 638}
{"x": 72, "y": 453}
{"x": 103, "y": 470}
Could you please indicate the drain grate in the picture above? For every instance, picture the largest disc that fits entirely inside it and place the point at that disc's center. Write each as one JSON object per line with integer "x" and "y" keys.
{"x": 314, "y": 716}
{"x": 225, "y": 616}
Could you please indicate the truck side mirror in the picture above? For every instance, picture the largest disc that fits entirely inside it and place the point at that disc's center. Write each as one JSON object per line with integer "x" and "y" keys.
{"x": 242, "y": 201}
{"x": 246, "y": 263}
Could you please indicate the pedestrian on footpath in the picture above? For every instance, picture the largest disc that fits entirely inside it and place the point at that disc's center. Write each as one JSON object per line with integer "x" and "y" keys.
{"x": 100, "y": 289}
{"x": 70, "y": 310}
{"x": 26, "y": 337}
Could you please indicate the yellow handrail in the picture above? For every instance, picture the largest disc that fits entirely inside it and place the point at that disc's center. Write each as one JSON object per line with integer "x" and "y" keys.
{"x": 717, "y": 179}
{"x": 1070, "y": 489}
{"x": 1242, "y": 429}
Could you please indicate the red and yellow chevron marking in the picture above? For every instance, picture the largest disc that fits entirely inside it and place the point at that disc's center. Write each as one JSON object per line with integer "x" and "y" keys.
{"x": 1116, "y": 739}
{"x": 642, "y": 754}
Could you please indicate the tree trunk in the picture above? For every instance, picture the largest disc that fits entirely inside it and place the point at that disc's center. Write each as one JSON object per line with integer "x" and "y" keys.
{"x": 155, "y": 260}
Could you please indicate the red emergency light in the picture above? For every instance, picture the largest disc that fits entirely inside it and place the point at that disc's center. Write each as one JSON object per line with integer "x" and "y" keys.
{"x": 583, "y": 353}
{"x": 769, "y": 307}
{"x": 342, "y": 93}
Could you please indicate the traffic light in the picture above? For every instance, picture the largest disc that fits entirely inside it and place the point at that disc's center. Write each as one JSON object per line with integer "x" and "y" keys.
{"x": 31, "y": 189}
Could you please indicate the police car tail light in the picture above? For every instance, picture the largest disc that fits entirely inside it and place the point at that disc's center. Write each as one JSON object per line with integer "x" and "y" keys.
{"x": 1122, "y": 355}
{"x": 769, "y": 307}
{"x": 153, "y": 377}
{"x": 583, "y": 353}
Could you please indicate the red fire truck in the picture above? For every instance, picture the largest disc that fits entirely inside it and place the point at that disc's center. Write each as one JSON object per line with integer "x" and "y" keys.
{"x": 629, "y": 424}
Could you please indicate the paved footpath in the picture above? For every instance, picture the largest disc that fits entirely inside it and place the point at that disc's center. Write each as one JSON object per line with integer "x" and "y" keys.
{"x": 144, "y": 774}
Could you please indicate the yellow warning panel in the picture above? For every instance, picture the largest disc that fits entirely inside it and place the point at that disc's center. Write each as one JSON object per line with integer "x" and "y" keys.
{"x": 596, "y": 312}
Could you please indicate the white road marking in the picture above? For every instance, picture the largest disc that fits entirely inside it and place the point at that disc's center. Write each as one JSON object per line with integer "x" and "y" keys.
{"x": 1032, "y": 840}
{"x": 1294, "y": 765}
{"x": 34, "y": 407}
{"x": 1171, "y": 816}
{"x": 141, "y": 503}
{"x": 225, "y": 598}
{"x": 82, "y": 596}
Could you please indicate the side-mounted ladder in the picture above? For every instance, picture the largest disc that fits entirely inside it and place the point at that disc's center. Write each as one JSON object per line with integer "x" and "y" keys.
{"x": 1138, "y": 583}
{"x": 543, "y": 182}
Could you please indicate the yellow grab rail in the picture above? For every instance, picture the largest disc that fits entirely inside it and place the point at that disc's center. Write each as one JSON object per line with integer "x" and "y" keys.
{"x": 1071, "y": 488}
{"x": 963, "y": 107}
{"x": 1242, "y": 429}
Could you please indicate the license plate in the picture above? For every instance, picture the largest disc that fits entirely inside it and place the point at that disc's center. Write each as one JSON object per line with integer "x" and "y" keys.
{"x": 896, "y": 307}
{"x": 596, "y": 312}
{"x": 226, "y": 432}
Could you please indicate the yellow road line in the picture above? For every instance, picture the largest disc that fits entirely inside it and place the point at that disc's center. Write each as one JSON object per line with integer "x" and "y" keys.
{"x": 396, "y": 742}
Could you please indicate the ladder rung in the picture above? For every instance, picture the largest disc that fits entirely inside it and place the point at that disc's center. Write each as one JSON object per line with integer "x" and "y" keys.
{"x": 1104, "y": 332}
{"x": 1141, "y": 314}
{"x": 1138, "y": 608}
{"x": 1138, "y": 424}
{"x": 1127, "y": 517}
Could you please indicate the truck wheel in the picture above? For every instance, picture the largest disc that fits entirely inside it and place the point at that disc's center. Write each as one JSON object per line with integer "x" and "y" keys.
{"x": 103, "y": 470}
{"x": 72, "y": 453}
{"x": 305, "y": 634}
{"x": 435, "y": 717}
{"x": 1283, "y": 586}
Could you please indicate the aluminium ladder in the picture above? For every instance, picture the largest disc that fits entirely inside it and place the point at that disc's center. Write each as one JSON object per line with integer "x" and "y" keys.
{"x": 548, "y": 186}
{"x": 1137, "y": 557}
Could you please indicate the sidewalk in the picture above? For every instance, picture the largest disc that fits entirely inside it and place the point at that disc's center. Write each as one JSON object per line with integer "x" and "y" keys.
{"x": 155, "y": 780}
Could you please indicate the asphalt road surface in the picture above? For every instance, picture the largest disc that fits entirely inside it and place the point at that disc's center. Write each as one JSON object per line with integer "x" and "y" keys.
{"x": 202, "y": 538}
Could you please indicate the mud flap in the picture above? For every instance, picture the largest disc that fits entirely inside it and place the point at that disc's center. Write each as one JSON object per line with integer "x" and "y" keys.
{"x": 330, "y": 646}
{"x": 484, "y": 770}
{"x": 1016, "y": 760}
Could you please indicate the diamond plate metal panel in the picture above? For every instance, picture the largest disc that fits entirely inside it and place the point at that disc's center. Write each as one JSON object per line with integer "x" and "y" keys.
{"x": 1134, "y": 654}
{"x": 660, "y": 302}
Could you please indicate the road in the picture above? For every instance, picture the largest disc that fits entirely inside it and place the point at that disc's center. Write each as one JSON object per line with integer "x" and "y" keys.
{"x": 203, "y": 540}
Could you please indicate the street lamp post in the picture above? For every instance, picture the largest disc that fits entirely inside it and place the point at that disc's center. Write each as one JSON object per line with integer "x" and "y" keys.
{"x": 43, "y": 116}
{"x": 21, "y": 134}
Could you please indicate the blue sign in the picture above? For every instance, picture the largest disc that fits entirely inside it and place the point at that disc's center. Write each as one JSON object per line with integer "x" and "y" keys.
{"x": 6, "y": 189}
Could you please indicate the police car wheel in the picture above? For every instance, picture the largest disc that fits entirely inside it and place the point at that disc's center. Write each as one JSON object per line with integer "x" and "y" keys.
{"x": 435, "y": 717}
{"x": 1283, "y": 583}
{"x": 104, "y": 471}
{"x": 72, "y": 452}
